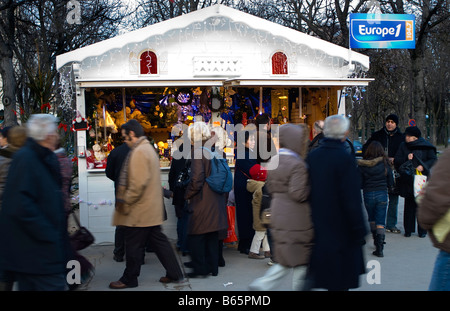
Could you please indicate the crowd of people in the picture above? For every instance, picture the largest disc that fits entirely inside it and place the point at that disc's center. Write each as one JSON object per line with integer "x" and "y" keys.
{"x": 323, "y": 203}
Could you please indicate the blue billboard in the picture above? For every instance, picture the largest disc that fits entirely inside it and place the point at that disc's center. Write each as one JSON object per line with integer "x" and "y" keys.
{"x": 382, "y": 31}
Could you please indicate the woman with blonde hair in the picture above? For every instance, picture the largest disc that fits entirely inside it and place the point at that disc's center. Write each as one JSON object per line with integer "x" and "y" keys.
{"x": 207, "y": 208}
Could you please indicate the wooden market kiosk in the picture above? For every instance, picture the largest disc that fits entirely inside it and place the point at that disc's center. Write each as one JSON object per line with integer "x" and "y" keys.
{"x": 158, "y": 74}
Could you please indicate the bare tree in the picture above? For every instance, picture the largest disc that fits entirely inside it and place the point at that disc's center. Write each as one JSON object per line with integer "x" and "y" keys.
{"x": 33, "y": 33}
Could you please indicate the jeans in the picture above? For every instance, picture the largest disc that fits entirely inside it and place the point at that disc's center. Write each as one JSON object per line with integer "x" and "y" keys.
{"x": 391, "y": 219}
{"x": 376, "y": 205}
{"x": 440, "y": 280}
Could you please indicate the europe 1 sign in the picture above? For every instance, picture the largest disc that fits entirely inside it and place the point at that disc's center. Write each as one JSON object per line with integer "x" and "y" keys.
{"x": 382, "y": 31}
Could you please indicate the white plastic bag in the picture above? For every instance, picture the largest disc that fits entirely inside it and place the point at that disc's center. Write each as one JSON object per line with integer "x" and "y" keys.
{"x": 419, "y": 181}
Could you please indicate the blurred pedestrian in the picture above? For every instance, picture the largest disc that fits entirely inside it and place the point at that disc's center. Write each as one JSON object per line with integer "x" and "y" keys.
{"x": 258, "y": 176}
{"x": 337, "y": 213}
{"x": 264, "y": 147}
{"x": 34, "y": 240}
{"x": 17, "y": 138}
{"x": 290, "y": 224}
{"x": 140, "y": 209}
{"x": 376, "y": 178}
{"x": 435, "y": 205}
{"x": 4, "y": 137}
{"x": 317, "y": 132}
{"x": 113, "y": 167}
{"x": 390, "y": 137}
{"x": 414, "y": 153}
{"x": 87, "y": 269}
{"x": 208, "y": 208}
{"x": 178, "y": 164}
{"x": 245, "y": 159}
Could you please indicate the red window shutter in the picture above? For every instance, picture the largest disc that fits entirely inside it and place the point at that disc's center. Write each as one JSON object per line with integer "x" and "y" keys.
{"x": 149, "y": 63}
{"x": 279, "y": 64}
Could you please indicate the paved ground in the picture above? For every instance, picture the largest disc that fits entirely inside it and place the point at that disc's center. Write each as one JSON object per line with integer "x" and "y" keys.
{"x": 407, "y": 266}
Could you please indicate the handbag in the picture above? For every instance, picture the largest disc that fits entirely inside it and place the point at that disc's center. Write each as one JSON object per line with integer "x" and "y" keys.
{"x": 394, "y": 189}
{"x": 265, "y": 213}
{"x": 419, "y": 182}
{"x": 184, "y": 177}
{"x": 81, "y": 238}
{"x": 442, "y": 228}
{"x": 231, "y": 233}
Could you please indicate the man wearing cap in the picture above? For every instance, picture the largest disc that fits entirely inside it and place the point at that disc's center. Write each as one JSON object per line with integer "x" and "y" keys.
{"x": 420, "y": 155}
{"x": 390, "y": 138}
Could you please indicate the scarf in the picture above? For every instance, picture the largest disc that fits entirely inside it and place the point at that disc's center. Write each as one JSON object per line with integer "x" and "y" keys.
{"x": 123, "y": 180}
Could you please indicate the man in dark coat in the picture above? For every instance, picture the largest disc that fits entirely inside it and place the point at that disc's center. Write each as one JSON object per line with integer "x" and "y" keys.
{"x": 34, "y": 241}
{"x": 337, "y": 213}
{"x": 419, "y": 154}
{"x": 390, "y": 138}
{"x": 113, "y": 167}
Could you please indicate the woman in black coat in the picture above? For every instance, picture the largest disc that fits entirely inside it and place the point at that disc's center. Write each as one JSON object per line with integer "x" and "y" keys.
{"x": 414, "y": 153}
{"x": 245, "y": 159}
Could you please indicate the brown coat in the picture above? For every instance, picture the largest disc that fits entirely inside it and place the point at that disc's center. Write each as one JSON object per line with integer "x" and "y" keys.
{"x": 143, "y": 195}
{"x": 255, "y": 187}
{"x": 291, "y": 224}
{"x": 436, "y": 199}
{"x": 209, "y": 210}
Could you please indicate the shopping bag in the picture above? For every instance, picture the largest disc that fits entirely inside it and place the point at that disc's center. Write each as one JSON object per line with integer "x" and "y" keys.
{"x": 442, "y": 228}
{"x": 231, "y": 233}
{"x": 419, "y": 181}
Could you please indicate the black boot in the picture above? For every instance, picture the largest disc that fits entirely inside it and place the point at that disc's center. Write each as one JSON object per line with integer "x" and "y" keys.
{"x": 379, "y": 244}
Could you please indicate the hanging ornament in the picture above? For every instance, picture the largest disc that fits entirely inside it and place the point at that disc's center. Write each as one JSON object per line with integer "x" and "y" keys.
{"x": 184, "y": 97}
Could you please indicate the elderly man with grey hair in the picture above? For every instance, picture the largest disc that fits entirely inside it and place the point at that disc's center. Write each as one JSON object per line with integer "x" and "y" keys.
{"x": 34, "y": 242}
{"x": 337, "y": 212}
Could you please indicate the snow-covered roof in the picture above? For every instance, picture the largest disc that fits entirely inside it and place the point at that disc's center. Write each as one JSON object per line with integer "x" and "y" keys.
{"x": 187, "y": 45}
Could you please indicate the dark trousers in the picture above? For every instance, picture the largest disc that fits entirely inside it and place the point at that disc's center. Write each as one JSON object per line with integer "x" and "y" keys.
{"x": 204, "y": 252}
{"x": 135, "y": 240}
{"x": 119, "y": 242}
{"x": 409, "y": 217}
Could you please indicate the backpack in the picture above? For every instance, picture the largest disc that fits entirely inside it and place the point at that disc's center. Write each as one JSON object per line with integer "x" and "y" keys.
{"x": 265, "y": 212}
{"x": 221, "y": 179}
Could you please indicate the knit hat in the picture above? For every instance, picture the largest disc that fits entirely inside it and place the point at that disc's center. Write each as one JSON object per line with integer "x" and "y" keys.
{"x": 413, "y": 131}
{"x": 257, "y": 172}
{"x": 392, "y": 117}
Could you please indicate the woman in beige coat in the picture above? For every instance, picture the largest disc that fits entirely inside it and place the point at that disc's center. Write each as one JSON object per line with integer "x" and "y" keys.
{"x": 291, "y": 225}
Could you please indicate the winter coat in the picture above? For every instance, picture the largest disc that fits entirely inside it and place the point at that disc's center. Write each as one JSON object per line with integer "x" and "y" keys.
{"x": 290, "y": 224}
{"x": 177, "y": 165}
{"x": 208, "y": 208}
{"x": 5, "y": 162}
{"x": 389, "y": 141}
{"x": 376, "y": 174}
{"x": 115, "y": 161}
{"x": 315, "y": 142}
{"x": 424, "y": 154}
{"x": 436, "y": 199}
{"x": 143, "y": 196}
{"x": 338, "y": 217}
{"x": 243, "y": 198}
{"x": 33, "y": 224}
{"x": 255, "y": 187}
